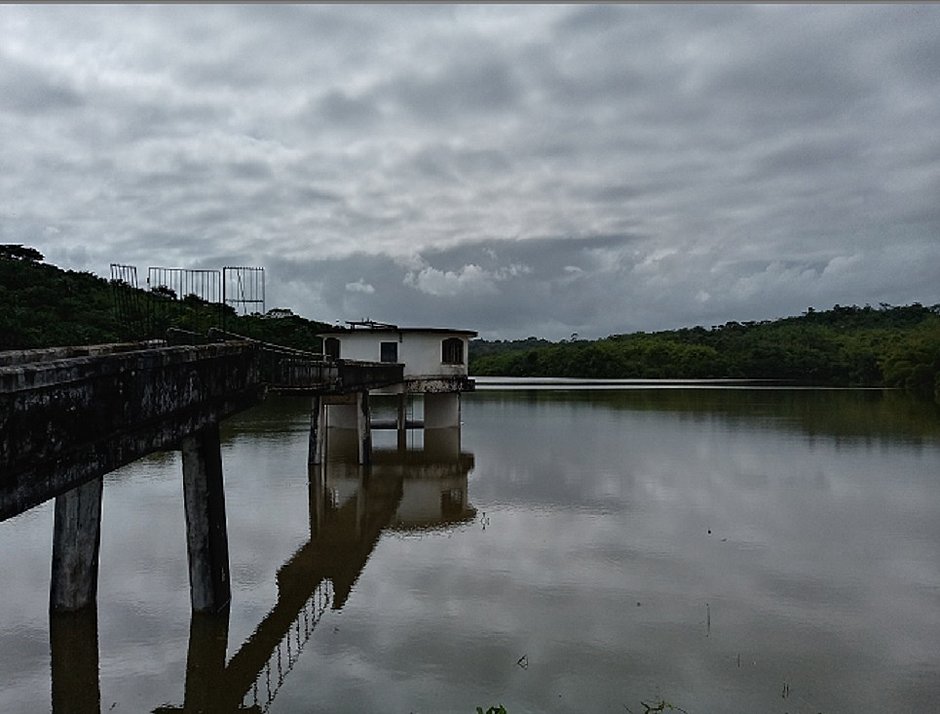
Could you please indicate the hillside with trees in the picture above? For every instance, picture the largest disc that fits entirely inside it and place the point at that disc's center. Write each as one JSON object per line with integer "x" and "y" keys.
{"x": 45, "y": 306}
{"x": 895, "y": 346}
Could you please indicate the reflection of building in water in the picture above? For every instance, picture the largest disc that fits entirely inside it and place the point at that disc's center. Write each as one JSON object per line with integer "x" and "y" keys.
{"x": 433, "y": 478}
{"x": 350, "y": 506}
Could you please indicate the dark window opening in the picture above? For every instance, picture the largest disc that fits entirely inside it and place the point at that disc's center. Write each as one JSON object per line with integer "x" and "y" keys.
{"x": 331, "y": 347}
{"x": 452, "y": 351}
{"x": 389, "y": 352}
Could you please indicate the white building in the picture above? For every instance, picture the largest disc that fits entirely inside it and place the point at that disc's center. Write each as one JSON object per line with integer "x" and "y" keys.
{"x": 435, "y": 358}
{"x": 435, "y": 368}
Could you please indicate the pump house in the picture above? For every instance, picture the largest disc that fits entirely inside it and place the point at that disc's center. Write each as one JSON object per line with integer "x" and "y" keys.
{"x": 435, "y": 367}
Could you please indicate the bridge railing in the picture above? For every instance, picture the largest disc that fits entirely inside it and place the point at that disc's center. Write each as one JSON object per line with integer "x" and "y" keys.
{"x": 286, "y": 369}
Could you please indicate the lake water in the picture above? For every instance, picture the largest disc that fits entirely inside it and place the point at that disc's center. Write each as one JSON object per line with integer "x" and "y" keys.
{"x": 574, "y": 550}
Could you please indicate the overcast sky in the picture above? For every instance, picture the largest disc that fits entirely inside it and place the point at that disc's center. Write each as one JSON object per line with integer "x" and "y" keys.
{"x": 518, "y": 170}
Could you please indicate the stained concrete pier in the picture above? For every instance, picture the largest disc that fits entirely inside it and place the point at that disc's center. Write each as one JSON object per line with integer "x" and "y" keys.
{"x": 206, "y": 528}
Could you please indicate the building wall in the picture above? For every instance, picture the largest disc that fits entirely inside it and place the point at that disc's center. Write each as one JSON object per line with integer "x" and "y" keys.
{"x": 420, "y": 352}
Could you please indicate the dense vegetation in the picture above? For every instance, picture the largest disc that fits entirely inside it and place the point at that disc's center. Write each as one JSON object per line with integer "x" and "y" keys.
{"x": 845, "y": 346}
{"x": 45, "y": 306}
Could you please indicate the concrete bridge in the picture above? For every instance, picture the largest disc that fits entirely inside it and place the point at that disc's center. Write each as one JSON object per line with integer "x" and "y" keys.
{"x": 70, "y": 415}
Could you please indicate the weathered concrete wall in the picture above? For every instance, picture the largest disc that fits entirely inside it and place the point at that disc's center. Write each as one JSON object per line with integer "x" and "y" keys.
{"x": 66, "y": 421}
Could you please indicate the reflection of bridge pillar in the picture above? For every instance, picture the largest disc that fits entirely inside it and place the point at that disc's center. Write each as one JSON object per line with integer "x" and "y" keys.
{"x": 73, "y": 640}
{"x": 206, "y": 536}
{"x": 441, "y": 411}
{"x": 75, "y": 541}
{"x": 316, "y": 484}
{"x": 442, "y": 444}
{"x": 205, "y": 662}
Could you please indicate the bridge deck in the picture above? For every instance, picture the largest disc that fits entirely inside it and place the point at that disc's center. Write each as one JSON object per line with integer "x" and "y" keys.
{"x": 70, "y": 414}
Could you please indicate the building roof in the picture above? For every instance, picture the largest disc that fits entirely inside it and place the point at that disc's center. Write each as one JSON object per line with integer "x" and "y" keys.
{"x": 362, "y": 327}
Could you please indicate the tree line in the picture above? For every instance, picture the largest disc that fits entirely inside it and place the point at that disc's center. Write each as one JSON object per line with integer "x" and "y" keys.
{"x": 887, "y": 345}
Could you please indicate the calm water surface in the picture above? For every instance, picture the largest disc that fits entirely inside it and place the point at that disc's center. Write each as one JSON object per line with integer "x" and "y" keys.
{"x": 577, "y": 550}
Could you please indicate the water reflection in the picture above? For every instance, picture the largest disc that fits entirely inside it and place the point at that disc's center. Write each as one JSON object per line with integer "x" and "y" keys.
{"x": 747, "y": 551}
{"x": 73, "y": 639}
{"x": 843, "y": 415}
{"x": 349, "y": 507}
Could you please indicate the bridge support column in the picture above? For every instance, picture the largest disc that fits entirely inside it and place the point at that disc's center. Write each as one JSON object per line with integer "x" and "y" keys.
{"x": 76, "y": 539}
{"x": 317, "y": 450}
{"x": 441, "y": 411}
{"x": 401, "y": 421}
{"x": 364, "y": 427}
{"x": 206, "y": 535}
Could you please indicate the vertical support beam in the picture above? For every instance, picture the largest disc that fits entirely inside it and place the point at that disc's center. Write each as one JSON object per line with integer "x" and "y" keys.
{"x": 76, "y": 538}
{"x": 317, "y": 449}
{"x": 401, "y": 421}
{"x": 442, "y": 411}
{"x": 364, "y": 427}
{"x": 73, "y": 642}
{"x": 206, "y": 536}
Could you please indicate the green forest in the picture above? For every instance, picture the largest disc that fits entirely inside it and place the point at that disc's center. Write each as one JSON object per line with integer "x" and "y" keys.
{"x": 894, "y": 346}
{"x": 887, "y": 345}
{"x": 45, "y": 306}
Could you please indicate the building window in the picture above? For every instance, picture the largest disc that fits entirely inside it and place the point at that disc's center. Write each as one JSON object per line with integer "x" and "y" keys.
{"x": 389, "y": 351}
{"x": 331, "y": 347}
{"x": 452, "y": 351}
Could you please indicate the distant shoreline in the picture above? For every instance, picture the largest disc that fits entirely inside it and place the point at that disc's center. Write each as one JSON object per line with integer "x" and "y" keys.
{"x": 488, "y": 382}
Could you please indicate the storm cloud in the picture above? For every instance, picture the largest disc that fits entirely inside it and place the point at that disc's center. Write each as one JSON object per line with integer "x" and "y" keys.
{"x": 519, "y": 170}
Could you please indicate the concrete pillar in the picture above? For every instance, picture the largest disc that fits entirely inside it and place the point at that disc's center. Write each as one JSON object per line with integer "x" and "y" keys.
{"x": 401, "y": 421}
{"x": 73, "y": 640}
{"x": 206, "y": 535}
{"x": 364, "y": 427}
{"x": 76, "y": 538}
{"x": 317, "y": 450}
{"x": 442, "y": 411}
{"x": 343, "y": 411}
{"x": 351, "y": 411}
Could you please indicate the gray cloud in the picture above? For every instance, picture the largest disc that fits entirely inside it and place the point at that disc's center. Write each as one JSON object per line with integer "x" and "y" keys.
{"x": 518, "y": 170}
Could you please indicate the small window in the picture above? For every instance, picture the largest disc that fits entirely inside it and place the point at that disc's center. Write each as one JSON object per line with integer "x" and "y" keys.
{"x": 389, "y": 352}
{"x": 452, "y": 351}
{"x": 331, "y": 347}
